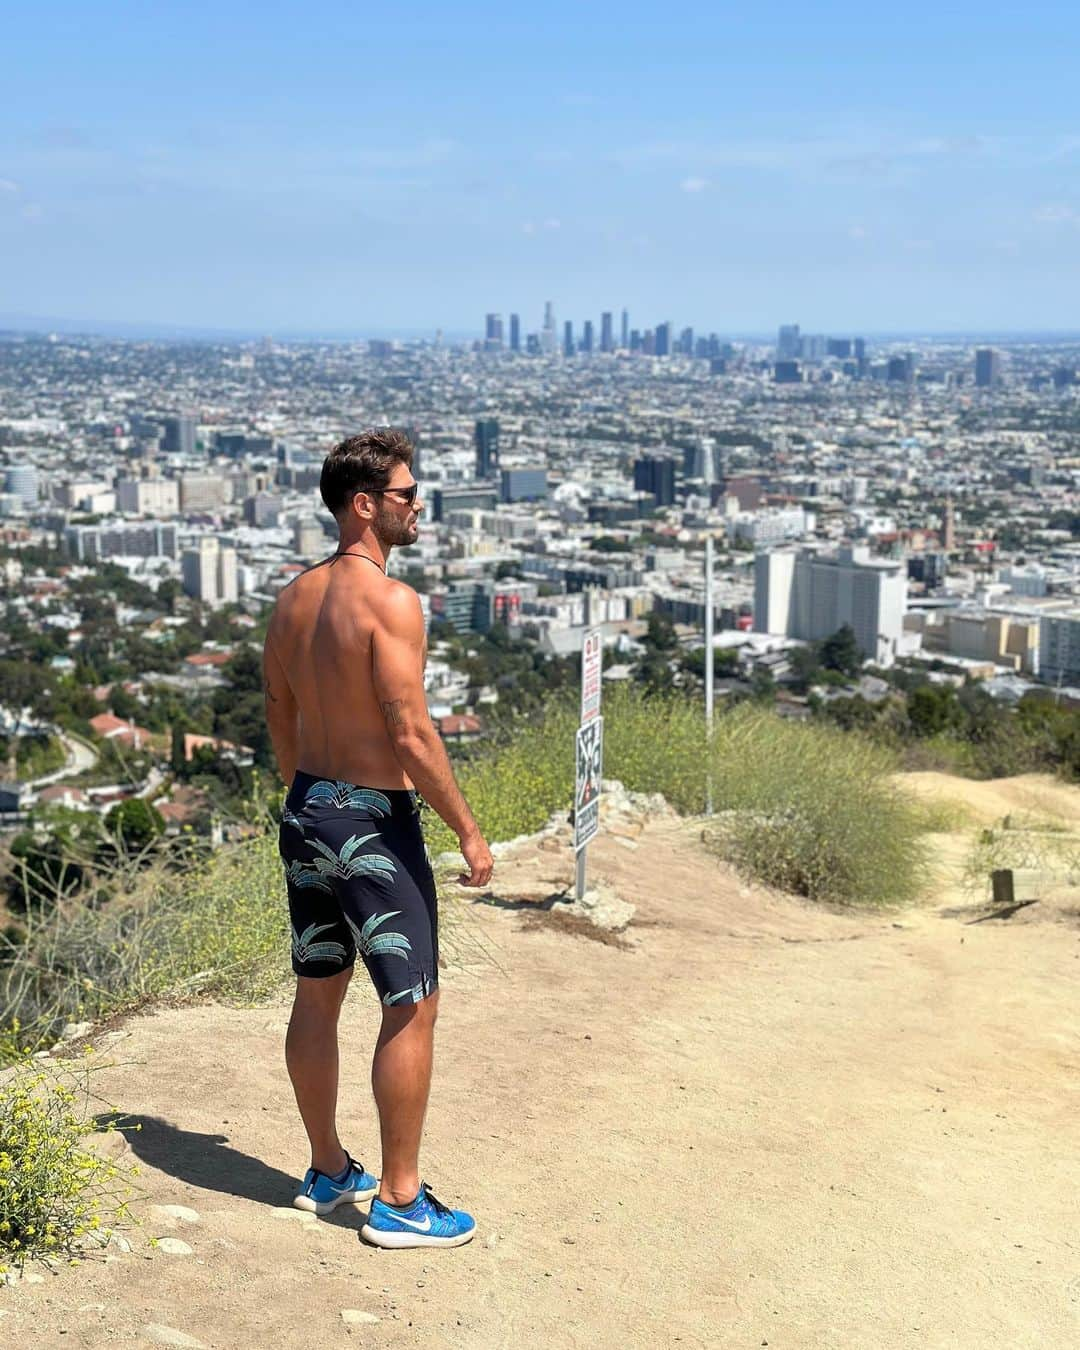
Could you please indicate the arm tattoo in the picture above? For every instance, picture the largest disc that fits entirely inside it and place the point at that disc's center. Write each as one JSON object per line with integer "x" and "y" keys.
{"x": 393, "y": 712}
{"x": 269, "y": 693}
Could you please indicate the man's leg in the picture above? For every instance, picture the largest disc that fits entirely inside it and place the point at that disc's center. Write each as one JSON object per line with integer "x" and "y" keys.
{"x": 400, "y": 1079}
{"x": 311, "y": 1054}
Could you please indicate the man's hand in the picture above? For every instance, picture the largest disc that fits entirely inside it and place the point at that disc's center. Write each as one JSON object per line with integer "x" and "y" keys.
{"x": 478, "y": 860}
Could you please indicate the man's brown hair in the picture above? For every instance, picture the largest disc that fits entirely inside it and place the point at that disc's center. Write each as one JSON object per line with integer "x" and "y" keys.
{"x": 362, "y": 463}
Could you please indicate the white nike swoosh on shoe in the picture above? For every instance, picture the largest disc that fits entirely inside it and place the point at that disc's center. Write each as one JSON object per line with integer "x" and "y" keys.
{"x": 421, "y": 1227}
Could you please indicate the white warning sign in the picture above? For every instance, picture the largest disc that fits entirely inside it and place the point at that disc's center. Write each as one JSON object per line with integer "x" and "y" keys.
{"x": 592, "y": 653}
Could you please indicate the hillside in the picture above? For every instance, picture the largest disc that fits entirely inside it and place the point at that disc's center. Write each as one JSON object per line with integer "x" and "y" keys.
{"x": 745, "y": 1120}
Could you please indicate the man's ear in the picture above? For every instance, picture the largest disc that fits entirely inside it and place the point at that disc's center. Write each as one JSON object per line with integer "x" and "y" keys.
{"x": 362, "y": 507}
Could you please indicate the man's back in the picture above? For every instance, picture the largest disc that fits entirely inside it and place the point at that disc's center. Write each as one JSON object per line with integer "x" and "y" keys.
{"x": 323, "y": 632}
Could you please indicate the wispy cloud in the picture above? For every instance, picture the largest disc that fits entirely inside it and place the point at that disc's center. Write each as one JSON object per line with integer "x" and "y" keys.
{"x": 425, "y": 155}
{"x": 8, "y": 187}
{"x": 694, "y": 184}
{"x": 815, "y": 156}
{"x": 549, "y": 225}
{"x": 1057, "y": 213}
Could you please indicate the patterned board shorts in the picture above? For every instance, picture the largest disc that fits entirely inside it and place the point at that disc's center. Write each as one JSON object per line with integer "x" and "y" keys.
{"x": 359, "y": 880}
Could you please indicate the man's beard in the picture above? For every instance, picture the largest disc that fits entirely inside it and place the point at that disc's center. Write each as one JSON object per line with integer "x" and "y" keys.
{"x": 393, "y": 531}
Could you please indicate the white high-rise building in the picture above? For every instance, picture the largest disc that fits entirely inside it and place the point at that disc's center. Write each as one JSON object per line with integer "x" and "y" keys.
{"x": 204, "y": 491}
{"x": 148, "y": 496}
{"x": 809, "y": 595}
{"x": 210, "y": 573}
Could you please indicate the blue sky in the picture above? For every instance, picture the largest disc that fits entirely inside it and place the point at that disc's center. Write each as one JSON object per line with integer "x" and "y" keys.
{"x": 331, "y": 167}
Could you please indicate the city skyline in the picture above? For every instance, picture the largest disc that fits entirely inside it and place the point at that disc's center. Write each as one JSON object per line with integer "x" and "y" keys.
{"x": 895, "y": 173}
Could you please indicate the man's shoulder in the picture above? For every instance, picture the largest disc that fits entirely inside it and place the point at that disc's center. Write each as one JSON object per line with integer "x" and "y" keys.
{"x": 396, "y": 599}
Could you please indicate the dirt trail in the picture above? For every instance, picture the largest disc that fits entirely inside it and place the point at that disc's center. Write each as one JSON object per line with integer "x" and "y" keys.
{"x": 753, "y": 1122}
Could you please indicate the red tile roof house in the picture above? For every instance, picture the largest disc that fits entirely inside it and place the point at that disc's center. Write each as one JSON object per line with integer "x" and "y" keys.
{"x": 63, "y": 795}
{"x": 460, "y": 727}
{"x": 208, "y": 658}
{"x": 110, "y": 727}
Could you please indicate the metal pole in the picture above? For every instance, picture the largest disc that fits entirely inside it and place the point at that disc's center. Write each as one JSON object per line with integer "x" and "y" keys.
{"x": 579, "y": 884}
{"x": 707, "y": 448}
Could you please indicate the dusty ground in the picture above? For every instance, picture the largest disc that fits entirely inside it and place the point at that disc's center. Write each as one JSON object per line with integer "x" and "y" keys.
{"x": 753, "y": 1122}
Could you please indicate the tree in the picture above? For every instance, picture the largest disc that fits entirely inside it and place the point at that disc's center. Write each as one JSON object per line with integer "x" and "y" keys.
{"x": 660, "y": 632}
{"x": 933, "y": 709}
{"x": 840, "y": 651}
{"x": 136, "y": 822}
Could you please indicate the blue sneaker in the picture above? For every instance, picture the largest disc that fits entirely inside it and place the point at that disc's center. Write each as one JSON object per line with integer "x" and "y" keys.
{"x": 320, "y": 1194}
{"x": 427, "y": 1222}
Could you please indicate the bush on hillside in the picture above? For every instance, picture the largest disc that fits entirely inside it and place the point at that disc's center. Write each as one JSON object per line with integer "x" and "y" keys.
{"x": 816, "y": 812}
{"x": 56, "y": 1195}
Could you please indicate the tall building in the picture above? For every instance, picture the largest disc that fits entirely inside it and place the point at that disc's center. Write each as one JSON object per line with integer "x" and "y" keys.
{"x": 203, "y": 491}
{"x": 838, "y": 347}
{"x": 788, "y": 342}
{"x": 901, "y": 369}
{"x": 987, "y": 368}
{"x": 487, "y": 447}
{"x": 309, "y": 538}
{"x": 625, "y": 331}
{"x": 587, "y": 337}
{"x": 523, "y": 485}
{"x": 461, "y": 495}
{"x": 493, "y": 333}
{"x": 607, "y": 335}
{"x": 148, "y": 496}
{"x": 209, "y": 572}
{"x": 694, "y": 459}
{"x": 568, "y": 339}
{"x": 809, "y": 595}
{"x": 948, "y": 531}
{"x": 686, "y": 342}
{"x": 787, "y": 372}
{"x": 180, "y": 435}
{"x": 515, "y": 332}
{"x": 547, "y": 336}
{"x": 814, "y": 347}
{"x": 662, "y": 339}
{"x": 21, "y": 481}
{"x": 656, "y": 474}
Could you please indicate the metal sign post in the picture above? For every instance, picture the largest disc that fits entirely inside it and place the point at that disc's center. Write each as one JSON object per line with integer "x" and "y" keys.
{"x": 589, "y": 753}
{"x": 710, "y": 694}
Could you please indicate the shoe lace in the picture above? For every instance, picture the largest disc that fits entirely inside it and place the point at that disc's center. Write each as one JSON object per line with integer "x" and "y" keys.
{"x": 437, "y": 1205}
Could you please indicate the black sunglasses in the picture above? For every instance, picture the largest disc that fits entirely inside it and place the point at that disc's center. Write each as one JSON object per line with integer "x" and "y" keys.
{"x": 407, "y": 494}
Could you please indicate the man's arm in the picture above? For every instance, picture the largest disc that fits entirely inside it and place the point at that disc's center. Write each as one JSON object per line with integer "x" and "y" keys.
{"x": 281, "y": 712}
{"x": 398, "y": 671}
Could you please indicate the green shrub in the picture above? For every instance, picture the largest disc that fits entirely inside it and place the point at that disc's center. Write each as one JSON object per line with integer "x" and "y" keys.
{"x": 814, "y": 811}
{"x": 56, "y": 1195}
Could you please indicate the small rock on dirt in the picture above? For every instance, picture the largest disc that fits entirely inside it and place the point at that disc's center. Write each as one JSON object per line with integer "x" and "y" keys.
{"x": 354, "y": 1316}
{"x": 180, "y": 1212}
{"x": 173, "y": 1246}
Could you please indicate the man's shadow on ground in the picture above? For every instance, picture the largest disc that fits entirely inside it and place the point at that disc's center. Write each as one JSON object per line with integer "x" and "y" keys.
{"x": 207, "y": 1161}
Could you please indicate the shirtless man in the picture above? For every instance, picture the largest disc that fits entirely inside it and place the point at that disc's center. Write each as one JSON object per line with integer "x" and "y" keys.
{"x": 344, "y": 667}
